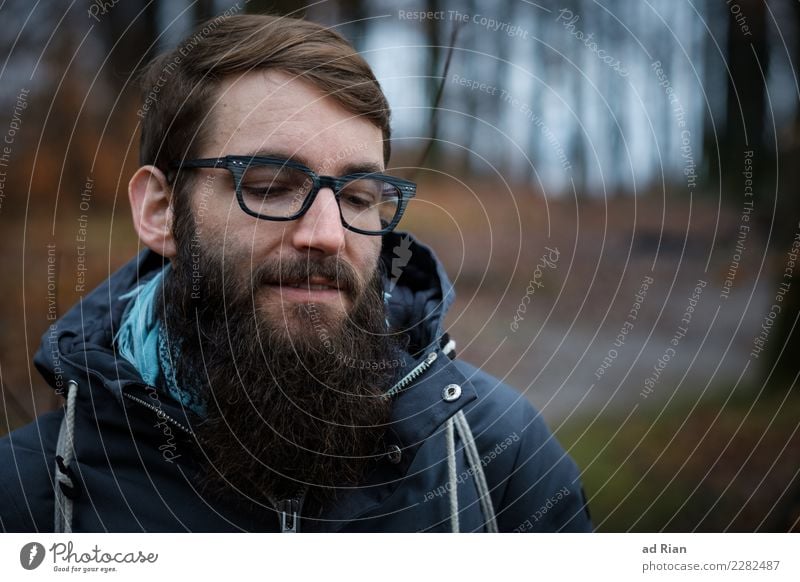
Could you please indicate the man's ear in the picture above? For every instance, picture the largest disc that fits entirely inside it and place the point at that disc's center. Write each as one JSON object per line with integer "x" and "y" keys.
{"x": 150, "y": 196}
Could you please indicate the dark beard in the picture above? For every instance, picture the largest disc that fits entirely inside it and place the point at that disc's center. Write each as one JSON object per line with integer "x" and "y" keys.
{"x": 287, "y": 409}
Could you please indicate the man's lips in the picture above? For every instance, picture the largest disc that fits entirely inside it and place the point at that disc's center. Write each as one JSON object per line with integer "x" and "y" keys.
{"x": 314, "y": 283}
{"x": 304, "y": 289}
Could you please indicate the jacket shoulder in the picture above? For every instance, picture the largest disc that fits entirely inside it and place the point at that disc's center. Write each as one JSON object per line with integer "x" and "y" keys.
{"x": 27, "y": 458}
{"x": 534, "y": 484}
{"x": 507, "y": 405}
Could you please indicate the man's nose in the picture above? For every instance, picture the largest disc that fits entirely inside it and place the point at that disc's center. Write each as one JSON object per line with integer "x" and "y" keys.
{"x": 320, "y": 228}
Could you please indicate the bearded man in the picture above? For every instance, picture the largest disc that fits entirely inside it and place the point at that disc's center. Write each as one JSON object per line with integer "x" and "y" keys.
{"x": 275, "y": 358}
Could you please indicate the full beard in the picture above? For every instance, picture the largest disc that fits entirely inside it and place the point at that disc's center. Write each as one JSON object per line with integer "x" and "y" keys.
{"x": 286, "y": 408}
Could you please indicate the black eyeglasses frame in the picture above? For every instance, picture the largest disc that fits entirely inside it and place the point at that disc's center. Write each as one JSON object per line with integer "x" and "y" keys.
{"x": 237, "y": 165}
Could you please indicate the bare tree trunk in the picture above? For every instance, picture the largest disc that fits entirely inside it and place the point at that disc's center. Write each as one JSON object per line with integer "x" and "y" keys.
{"x": 747, "y": 62}
{"x": 433, "y": 39}
{"x": 203, "y": 10}
{"x": 787, "y": 217}
{"x": 138, "y": 33}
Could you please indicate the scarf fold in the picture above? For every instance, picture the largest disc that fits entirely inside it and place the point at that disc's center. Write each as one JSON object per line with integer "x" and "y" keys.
{"x": 143, "y": 341}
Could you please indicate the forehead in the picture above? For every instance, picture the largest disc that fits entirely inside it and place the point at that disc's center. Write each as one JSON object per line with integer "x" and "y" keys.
{"x": 273, "y": 112}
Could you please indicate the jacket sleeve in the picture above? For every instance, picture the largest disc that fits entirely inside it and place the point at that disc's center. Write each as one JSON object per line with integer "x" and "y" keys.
{"x": 543, "y": 491}
{"x": 13, "y": 518}
{"x": 27, "y": 458}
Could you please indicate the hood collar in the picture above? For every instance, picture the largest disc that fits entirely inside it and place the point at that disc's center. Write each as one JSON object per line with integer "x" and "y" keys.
{"x": 420, "y": 291}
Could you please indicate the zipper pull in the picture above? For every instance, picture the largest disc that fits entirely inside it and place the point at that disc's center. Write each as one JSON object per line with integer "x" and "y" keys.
{"x": 289, "y": 515}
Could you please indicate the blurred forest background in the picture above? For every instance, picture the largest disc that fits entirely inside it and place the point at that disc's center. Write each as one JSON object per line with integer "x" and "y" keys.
{"x": 652, "y": 146}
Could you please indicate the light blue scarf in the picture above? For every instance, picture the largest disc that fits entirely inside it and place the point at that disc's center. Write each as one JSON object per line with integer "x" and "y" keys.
{"x": 142, "y": 341}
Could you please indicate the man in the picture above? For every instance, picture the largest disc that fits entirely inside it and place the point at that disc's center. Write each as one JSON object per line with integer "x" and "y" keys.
{"x": 275, "y": 360}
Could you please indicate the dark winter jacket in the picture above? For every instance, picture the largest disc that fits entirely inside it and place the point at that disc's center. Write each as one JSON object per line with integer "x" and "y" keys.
{"x": 464, "y": 453}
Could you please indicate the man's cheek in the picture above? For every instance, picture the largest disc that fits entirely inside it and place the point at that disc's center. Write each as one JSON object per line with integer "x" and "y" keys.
{"x": 371, "y": 263}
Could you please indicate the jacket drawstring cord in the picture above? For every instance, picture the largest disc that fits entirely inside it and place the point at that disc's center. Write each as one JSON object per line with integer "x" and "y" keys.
{"x": 473, "y": 457}
{"x": 66, "y": 489}
{"x": 451, "y": 473}
{"x": 449, "y": 347}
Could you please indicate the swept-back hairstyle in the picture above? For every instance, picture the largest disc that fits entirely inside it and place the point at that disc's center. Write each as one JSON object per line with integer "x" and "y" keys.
{"x": 179, "y": 87}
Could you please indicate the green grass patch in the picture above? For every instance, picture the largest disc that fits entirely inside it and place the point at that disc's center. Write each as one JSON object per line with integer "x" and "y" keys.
{"x": 713, "y": 466}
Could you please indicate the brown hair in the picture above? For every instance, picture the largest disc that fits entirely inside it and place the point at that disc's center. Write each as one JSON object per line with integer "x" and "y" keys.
{"x": 178, "y": 86}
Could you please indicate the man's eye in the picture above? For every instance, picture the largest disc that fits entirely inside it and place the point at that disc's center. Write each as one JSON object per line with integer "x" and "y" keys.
{"x": 358, "y": 200}
{"x": 361, "y": 194}
{"x": 268, "y": 191}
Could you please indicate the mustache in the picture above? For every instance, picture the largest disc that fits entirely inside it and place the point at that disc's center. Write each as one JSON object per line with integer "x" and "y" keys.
{"x": 284, "y": 271}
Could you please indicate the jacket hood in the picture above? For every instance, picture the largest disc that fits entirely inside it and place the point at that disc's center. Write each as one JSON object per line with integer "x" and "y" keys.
{"x": 81, "y": 344}
{"x": 420, "y": 291}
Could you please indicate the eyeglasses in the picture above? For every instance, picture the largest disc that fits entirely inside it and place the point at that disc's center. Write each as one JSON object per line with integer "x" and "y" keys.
{"x": 277, "y": 189}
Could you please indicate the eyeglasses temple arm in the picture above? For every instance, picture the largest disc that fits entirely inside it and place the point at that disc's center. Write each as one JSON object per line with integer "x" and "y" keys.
{"x": 204, "y": 163}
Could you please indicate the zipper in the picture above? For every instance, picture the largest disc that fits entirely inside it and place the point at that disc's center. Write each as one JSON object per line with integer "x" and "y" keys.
{"x": 288, "y": 509}
{"x": 289, "y": 512}
{"x": 160, "y": 413}
{"x": 418, "y": 370}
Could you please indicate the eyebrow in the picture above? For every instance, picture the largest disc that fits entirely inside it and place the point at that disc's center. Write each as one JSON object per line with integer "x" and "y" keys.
{"x": 352, "y": 168}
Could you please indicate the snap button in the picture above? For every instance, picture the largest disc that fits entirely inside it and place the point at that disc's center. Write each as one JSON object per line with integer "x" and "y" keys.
{"x": 451, "y": 392}
{"x": 394, "y": 454}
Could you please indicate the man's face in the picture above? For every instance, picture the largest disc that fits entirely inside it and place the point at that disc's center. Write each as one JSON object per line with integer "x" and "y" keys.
{"x": 272, "y": 114}
{"x": 268, "y": 357}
